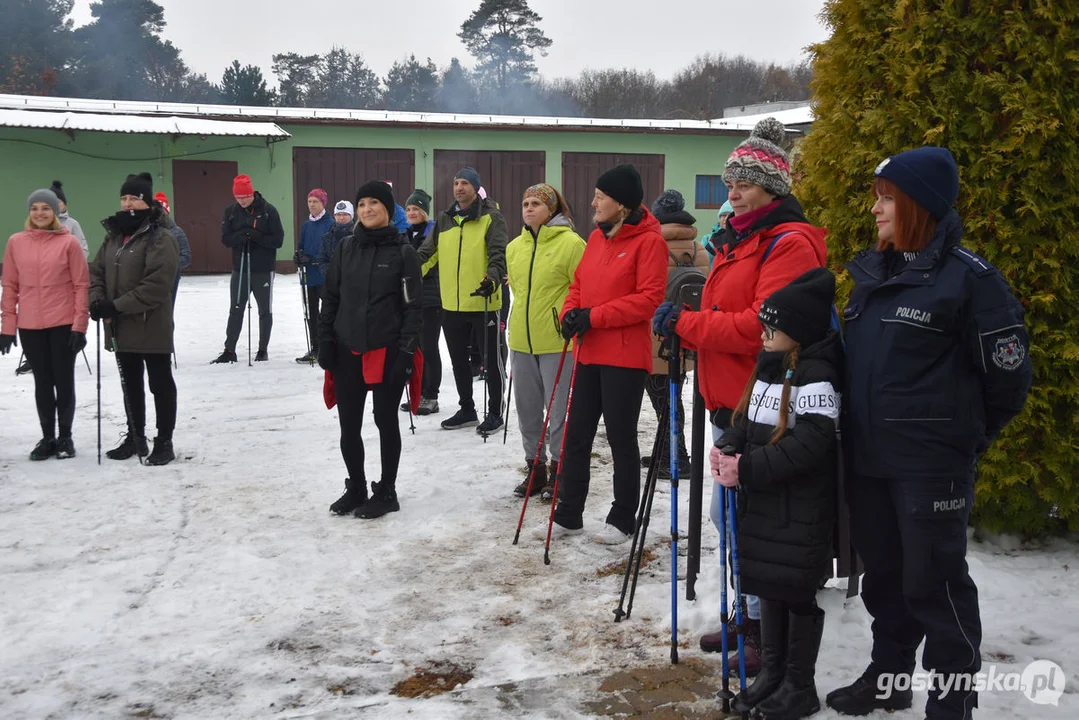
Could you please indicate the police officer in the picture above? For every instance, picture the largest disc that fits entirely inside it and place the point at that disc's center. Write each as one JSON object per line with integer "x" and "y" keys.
{"x": 938, "y": 363}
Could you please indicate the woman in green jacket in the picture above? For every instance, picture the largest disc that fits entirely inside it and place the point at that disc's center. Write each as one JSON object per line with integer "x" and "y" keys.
{"x": 540, "y": 264}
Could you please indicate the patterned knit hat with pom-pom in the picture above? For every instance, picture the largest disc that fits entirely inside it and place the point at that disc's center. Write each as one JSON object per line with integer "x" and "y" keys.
{"x": 762, "y": 160}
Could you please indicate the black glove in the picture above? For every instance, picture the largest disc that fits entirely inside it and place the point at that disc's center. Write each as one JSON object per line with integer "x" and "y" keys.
{"x": 76, "y": 341}
{"x": 6, "y": 342}
{"x": 402, "y": 368}
{"x": 103, "y": 310}
{"x": 302, "y": 258}
{"x": 576, "y": 322}
{"x": 327, "y": 355}
{"x": 486, "y": 288}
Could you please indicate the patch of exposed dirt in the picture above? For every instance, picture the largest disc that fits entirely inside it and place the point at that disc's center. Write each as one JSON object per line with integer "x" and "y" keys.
{"x": 619, "y": 567}
{"x": 430, "y": 681}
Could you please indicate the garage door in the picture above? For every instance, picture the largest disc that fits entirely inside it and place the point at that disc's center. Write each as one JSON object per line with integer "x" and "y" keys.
{"x": 505, "y": 176}
{"x": 341, "y": 171}
{"x": 580, "y": 171}
{"x": 202, "y": 189}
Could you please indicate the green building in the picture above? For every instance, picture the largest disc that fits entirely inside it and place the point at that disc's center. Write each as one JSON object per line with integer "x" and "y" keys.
{"x": 193, "y": 152}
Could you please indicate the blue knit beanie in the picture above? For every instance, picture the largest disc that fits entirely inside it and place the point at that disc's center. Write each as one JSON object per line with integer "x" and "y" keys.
{"x": 469, "y": 174}
{"x": 927, "y": 174}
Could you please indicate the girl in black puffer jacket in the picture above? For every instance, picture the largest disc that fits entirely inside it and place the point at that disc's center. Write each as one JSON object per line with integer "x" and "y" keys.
{"x": 782, "y": 453}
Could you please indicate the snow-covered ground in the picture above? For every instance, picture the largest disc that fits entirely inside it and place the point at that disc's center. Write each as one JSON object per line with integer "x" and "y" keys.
{"x": 220, "y": 586}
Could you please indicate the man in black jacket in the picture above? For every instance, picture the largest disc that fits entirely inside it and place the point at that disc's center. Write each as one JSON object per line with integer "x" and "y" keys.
{"x": 252, "y": 229}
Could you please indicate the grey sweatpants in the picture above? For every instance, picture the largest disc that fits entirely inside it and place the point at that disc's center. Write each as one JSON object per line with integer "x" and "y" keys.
{"x": 533, "y": 380}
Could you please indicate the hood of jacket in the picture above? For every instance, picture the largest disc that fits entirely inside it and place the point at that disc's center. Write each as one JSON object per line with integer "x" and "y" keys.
{"x": 677, "y": 231}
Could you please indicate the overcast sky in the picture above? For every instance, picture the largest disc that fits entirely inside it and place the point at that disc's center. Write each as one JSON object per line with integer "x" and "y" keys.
{"x": 658, "y": 35}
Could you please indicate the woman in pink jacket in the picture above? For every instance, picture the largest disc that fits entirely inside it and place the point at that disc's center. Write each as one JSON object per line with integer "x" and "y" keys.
{"x": 46, "y": 296}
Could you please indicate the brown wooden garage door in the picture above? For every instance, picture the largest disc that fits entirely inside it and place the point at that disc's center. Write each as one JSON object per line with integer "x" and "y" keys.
{"x": 505, "y": 176}
{"x": 341, "y": 171}
{"x": 580, "y": 171}
{"x": 202, "y": 189}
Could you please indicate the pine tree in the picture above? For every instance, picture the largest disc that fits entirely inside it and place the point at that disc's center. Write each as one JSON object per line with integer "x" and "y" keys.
{"x": 245, "y": 86}
{"x": 995, "y": 82}
{"x": 411, "y": 86}
{"x": 36, "y": 45}
{"x": 504, "y": 37}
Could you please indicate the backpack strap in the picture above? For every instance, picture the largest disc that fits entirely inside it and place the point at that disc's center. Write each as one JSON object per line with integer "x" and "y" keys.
{"x": 772, "y": 245}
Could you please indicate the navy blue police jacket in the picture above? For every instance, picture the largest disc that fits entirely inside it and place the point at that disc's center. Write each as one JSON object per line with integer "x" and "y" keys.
{"x": 938, "y": 360}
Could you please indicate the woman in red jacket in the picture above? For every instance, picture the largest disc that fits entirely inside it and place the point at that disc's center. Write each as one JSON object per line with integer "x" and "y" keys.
{"x": 46, "y": 296}
{"x": 615, "y": 290}
{"x": 765, "y": 245}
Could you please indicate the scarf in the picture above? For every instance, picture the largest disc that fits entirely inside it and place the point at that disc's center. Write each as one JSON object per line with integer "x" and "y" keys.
{"x": 128, "y": 221}
{"x": 316, "y": 218}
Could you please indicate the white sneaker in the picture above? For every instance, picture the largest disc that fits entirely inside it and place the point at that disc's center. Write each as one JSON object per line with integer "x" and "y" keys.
{"x": 557, "y": 532}
{"x": 610, "y": 535}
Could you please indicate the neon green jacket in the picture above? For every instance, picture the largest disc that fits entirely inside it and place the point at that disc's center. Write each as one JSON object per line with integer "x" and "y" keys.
{"x": 466, "y": 248}
{"x": 540, "y": 271}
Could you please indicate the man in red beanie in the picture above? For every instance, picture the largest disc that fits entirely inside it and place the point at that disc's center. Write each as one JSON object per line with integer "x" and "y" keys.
{"x": 252, "y": 229}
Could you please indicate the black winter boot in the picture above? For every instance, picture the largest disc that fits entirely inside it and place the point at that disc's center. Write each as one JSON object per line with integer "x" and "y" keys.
{"x": 797, "y": 695}
{"x": 547, "y": 493}
{"x": 383, "y": 500}
{"x": 539, "y": 479}
{"x": 355, "y": 496}
{"x": 163, "y": 453}
{"x": 131, "y": 446}
{"x": 860, "y": 697}
{"x": 773, "y": 651}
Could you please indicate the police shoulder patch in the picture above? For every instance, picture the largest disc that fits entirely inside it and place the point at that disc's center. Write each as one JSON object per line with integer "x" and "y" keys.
{"x": 976, "y": 262}
{"x": 1008, "y": 352}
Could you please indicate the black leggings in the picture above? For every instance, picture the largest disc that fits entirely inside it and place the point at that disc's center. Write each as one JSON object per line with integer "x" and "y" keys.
{"x": 432, "y": 357}
{"x": 159, "y": 367}
{"x": 459, "y": 328}
{"x": 314, "y": 294}
{"x": 53, "y": 363}
{"x": 615, "y": 393}
{"x": 351, "y": 398}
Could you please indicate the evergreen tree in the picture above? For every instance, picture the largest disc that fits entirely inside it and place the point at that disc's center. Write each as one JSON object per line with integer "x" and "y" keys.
{"x": 245, "y": 86}
{"x": 457, "y": 93}
{"x": 411, "y": 86}
{"x": 344, "y": 80}
{"x": 504, "y": 36}
{"x": 995, "y": 82}
{"x": 36, "y": 45}
{"x": 296, "y": 77}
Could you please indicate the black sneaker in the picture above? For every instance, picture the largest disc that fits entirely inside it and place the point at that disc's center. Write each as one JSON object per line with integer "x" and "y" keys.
{"x": 461, "y": 418}
{"x": 24, "y": 369}
{"x": 262, "y": 356}
{"x": 490, "y": 425}
{"x": 162, "y": 454}
{"x": 228, "y": 356}
{"x": 381, "y": 502}
{"x": 309, "y": 359}
{"x": 44, "y": 450}
{"x": 355, "y": 496}
{"x": 65, "y": 448}
{"x": 129, "y": 448}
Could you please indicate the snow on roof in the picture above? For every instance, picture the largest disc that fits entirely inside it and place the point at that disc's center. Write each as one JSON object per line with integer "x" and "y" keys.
{"x": 165, "y": 125}
{"x": 795, "y": 116}
{"x": 117, "y": 108}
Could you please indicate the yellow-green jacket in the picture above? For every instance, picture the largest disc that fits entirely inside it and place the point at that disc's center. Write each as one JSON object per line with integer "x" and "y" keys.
{"x": 540, "y": 271}
{"x": 466, "y": 248}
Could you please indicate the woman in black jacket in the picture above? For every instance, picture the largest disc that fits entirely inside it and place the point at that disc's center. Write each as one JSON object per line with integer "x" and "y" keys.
{"x": 782, "y": 453}
{"x": 369, "y": 329}
{"x": 417, "y": 210}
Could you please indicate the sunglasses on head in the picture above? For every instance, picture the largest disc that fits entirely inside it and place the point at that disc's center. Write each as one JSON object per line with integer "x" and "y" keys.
{"x": 769, "y": 332}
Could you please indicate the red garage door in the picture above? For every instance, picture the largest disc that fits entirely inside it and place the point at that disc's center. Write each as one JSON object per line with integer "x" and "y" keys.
{"x": 341, "y": 171}
{"x": 505, "y": 176}
{"x": 580, "y": 171}
{"x": 202, "y": 189}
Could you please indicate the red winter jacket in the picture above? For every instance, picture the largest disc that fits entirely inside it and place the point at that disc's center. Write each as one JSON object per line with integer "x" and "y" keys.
{"x": 622, "y": 279}
{"x": 726, "y": 333}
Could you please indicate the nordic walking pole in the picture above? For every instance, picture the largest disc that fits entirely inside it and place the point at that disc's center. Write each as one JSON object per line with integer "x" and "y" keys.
{"x": 123, "y": 391}
{"x": 408, "y": 398}
{"x": 509, "y": 396}
{"x": 98, "y": 392}
{"x": 675, "y": 387}
{"x": 247, "y": 252}
{"x": 696, "y": 490}
{"x": 636, "y": 551}
{"x": 87, "y": 361}
{"x": 732, "y": 512}
{"x": 486, "y": 304}
{"x": 725, "y": 693}
{"x": 22, "y": 355}
{"x": 301, "y": 272}
{"x": 562, "y": 451}
{"x": 543, "y": 439}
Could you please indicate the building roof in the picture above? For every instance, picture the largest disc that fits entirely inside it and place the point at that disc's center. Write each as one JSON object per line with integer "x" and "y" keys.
{"x": 228, "y": 114}
{"x": 163, "y": 125}
{"x": 793, "y": 118}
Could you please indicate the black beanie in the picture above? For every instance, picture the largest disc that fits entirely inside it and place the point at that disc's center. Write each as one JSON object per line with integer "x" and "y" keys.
{"x": 379, "y": 191}
{"x": 420, "y": 199}
{"x": 58, "y": 190}
{"x": 622, "y": 183}
{"x": 802, "y": 309}
{"x": 141, "y": 186}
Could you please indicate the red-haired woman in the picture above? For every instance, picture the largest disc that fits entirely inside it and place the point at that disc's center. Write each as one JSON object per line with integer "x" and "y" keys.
{"x": 937, "y": 364}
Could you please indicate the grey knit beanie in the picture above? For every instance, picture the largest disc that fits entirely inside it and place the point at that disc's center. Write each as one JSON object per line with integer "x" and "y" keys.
{"x": 762, "y": 160}
{"x": 45, "y": 196}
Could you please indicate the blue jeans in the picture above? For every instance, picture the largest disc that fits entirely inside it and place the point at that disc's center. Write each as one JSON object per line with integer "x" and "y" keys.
{"x": 753, "y": 603}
